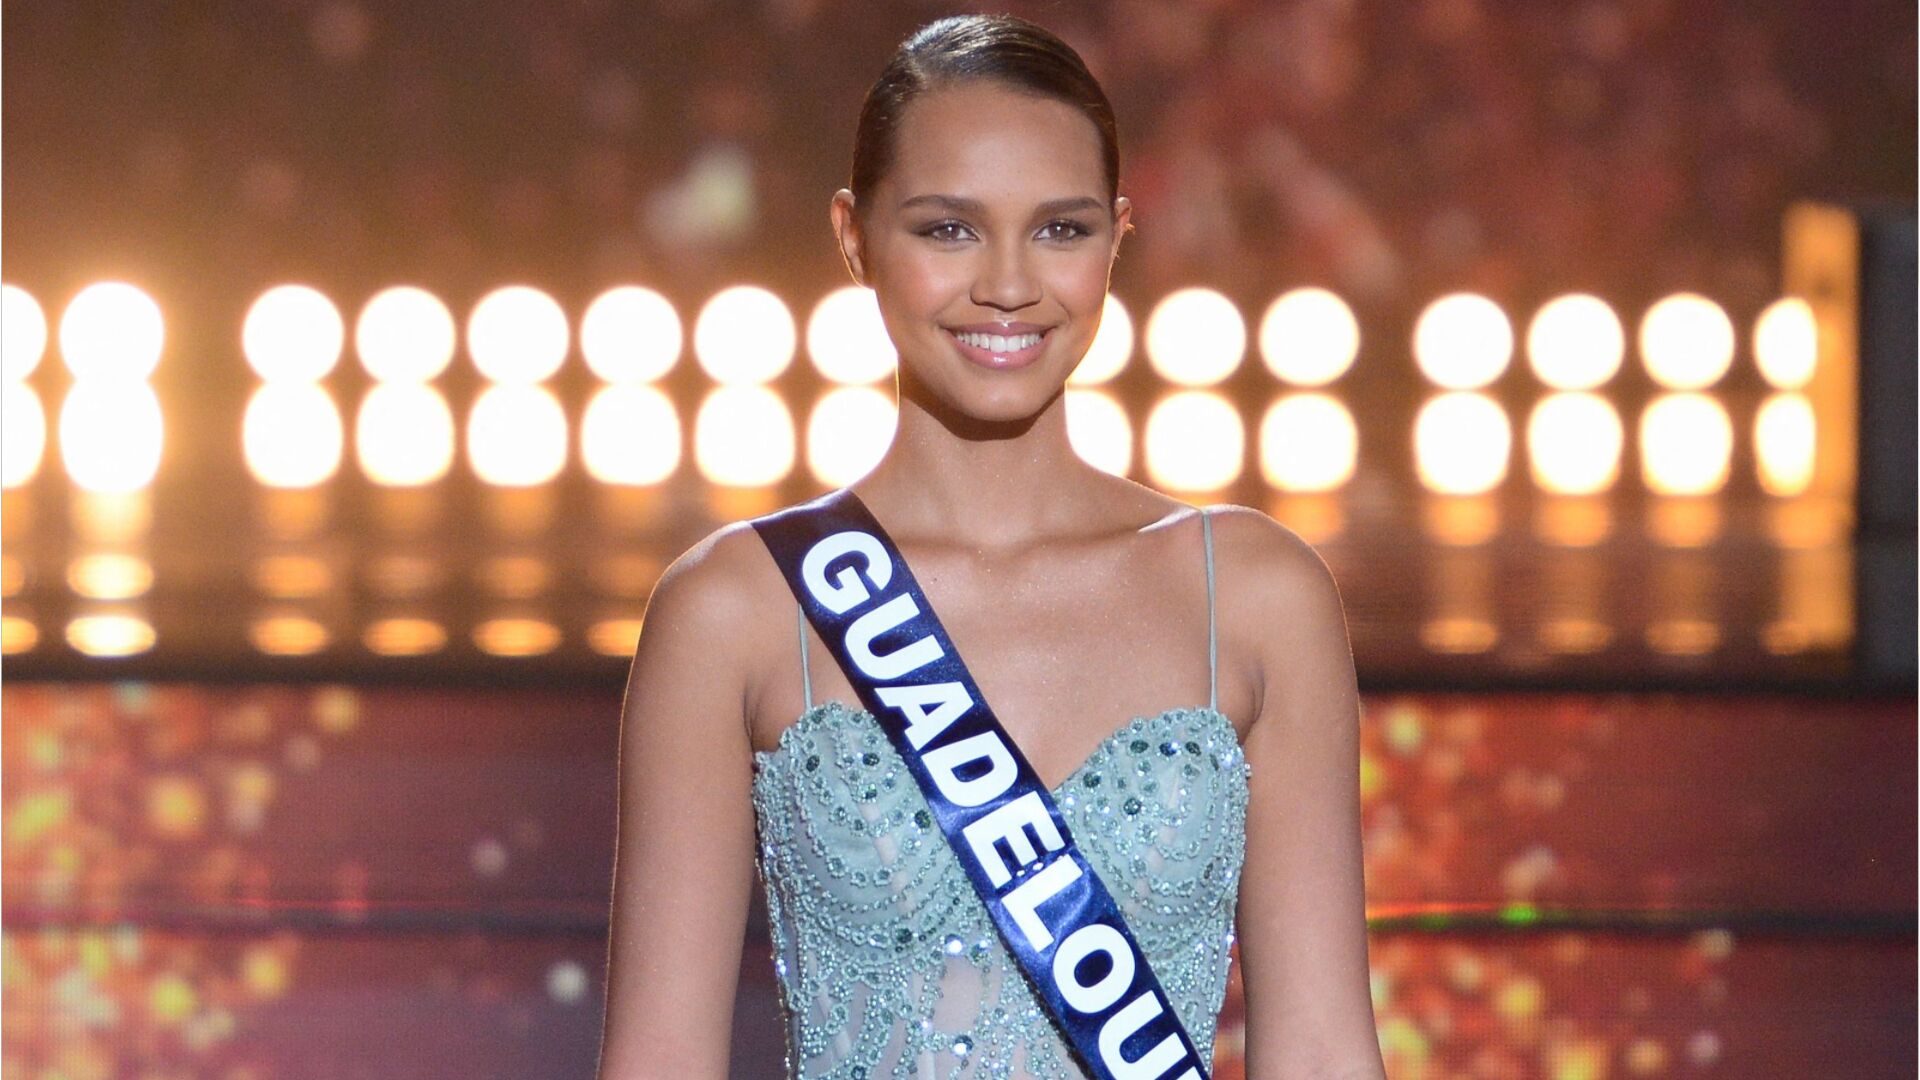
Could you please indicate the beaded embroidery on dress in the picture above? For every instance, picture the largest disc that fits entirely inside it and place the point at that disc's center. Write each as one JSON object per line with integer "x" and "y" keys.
{"x": 887, "y": 963}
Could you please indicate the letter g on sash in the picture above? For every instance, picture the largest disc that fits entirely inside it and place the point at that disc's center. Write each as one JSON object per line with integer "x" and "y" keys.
{"x": 850, "y": 592}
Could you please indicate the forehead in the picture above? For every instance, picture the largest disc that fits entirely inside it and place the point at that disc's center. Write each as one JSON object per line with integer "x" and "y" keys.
{"x": 983, "y": 140}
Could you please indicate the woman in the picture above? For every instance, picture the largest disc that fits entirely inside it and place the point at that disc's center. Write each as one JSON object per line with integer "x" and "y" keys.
{"x": 984, "y": 212}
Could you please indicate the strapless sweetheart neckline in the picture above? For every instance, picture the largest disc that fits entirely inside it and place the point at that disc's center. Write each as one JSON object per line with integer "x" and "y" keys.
{"x": 810, "y": 716}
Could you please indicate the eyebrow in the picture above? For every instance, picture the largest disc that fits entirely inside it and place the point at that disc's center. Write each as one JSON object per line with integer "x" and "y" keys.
{"x": 974, "y": 206}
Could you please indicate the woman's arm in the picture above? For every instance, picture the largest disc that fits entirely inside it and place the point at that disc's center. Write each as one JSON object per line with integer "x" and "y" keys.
{"x": 683, "y": 867}
{"x": 1302, "y": 917}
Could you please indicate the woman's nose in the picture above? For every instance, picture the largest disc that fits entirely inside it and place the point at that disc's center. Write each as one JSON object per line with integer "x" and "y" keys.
{"x": 1005, "y": 280}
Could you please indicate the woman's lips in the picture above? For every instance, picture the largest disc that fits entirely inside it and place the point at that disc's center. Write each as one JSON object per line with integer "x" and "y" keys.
{"x": 1001, "y": 361}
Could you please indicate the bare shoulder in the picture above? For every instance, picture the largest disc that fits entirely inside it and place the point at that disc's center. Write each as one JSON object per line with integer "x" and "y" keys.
{"x": 712, "y": 602}
{"x": 1278, "y": 603}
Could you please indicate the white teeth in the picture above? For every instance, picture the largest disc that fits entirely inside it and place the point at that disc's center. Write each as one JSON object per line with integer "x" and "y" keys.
{"x": 998, "y": 343}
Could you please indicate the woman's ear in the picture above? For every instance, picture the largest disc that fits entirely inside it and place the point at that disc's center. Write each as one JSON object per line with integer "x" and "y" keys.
{"x": 846, "y": 228}
{"x": 1122, "y": 222}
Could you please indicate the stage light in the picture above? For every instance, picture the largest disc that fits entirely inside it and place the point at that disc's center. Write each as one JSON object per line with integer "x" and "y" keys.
{"x": 1195, "y": 337}
{"x": 402, "y": 636}
{"x": 23, "y": 333}
{"x": 1111, "y": 349}
{"x": 516, "y": 435}
{"x": 1686, "y": 342}
{"x": 1462, "y": 341}
{"x": 744, "y": 335}
{"x": 108, "y": 576}
{"x": 630, "y": 434}
{"x": 517, "y": 335}
{"x": 110, "y": 434}
{"x": 291, "y": 435}
{"x": 516, "y": 637}
{"x": 287, "y": 635}
{"x": 1099, "y": 430}
{"x": 630, "y": 335}
{"x": 1786, "y": 343}
{"x": 1573, "y": 443}
{"x": 1461, "y": 443}
{"x": 17, "y": 635}
{"x": 1308, "y": 442}
{"x": 743, "y": 437}
{"x": 1784, "y": 443}
{"x": 1195, "y": 441}
{"x": 1575, "y": 342}
{"x": 111, "y": 330}
{"x": 1309, "y": 337}
{"x": 110, "y": 635}
{"x": 23, "y": 435}
{"x": 405, "y": 334}
{"x": 848, "y": 431}
{"x": 1686, "y": 441}
{"x": 403, "y": 434}
{"x": 292, "y": 332}
{"x": 291, "y": 577}
{"x": 848, "y": 340}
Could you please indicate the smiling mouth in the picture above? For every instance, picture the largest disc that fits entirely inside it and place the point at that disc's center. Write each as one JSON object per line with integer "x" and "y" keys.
{"x": 1000, "y": 351}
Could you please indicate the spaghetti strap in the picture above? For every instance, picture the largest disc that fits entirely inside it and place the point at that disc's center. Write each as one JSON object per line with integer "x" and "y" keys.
{"x": 806, "y": 679}
{"x": 1206, "y": 534}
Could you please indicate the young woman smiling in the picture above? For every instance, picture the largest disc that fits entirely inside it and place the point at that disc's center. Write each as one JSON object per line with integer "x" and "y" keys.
{"x": 984, "y": 212}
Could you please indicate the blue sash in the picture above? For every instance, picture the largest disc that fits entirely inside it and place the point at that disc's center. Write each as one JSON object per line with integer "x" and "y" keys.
{"x": 1052, "y": 911}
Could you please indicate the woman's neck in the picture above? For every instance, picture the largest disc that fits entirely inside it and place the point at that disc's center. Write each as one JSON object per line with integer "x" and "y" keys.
{"x": 980, "y": 484}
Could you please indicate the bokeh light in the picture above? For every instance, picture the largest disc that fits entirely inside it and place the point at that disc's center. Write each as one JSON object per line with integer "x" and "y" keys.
{"x": 630, "y": 434}
{"x": 404, "y": 434}
{"x": 1309, "y": 337}
{"x": 293, "y": 332}
{"x": 111, "y": 330}
{"x": 405, "y": 334}
{"x": 1195, "y": 337}
{"x": 1099, "y": 430}
{"x": 1111, "y": 349}
{"x": 743, "y": 437}
{"x": 23, "y": 333}
{"x": 745, "y": 334}
{"x": 1686, "y": 441}
{"x": 517, "y": 435}
{"x": 1786, "y": 343}
{"x": 291, "y": 435}
{"x": 1194, "y": 441}
{"x": 1686, "y": 341}
{"x": 1462, "y": 341}
{"x": 848, "y": 432}
{"x": 1461, "y": 443}
{"x": 111, "y": 434}
{"x": 631, "y": 335}
{"x": 517, "y": 334}
{"x": 1308, "y": 442}
{"x": 1785, "y": 441}
{"x": 848, "y": 340}
{"x": 110, "y": 576}
{"x": 23, "y": 435}
{"x": 110, "y": 635}
{"x": 1575, "y": 342}
{"x": 1574, "y": 440}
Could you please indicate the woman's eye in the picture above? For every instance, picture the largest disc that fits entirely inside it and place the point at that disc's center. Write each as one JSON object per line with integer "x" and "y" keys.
{"x": 945, "y": 230}
{"x": 1070, "y": 229}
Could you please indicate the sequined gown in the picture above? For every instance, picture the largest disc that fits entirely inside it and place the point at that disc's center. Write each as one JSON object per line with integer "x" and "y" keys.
{"x": 887, "y": 963}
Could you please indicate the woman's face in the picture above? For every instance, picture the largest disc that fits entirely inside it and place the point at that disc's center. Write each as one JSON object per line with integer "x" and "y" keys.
{"x": 988, "y": 244}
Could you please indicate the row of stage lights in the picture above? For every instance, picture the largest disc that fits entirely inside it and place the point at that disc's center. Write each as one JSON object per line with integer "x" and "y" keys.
{"x": 1194, "y": 438}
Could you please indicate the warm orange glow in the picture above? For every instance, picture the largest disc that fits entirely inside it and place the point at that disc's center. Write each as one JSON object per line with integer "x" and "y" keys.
{"x": 1111, "y": 349}
{"x": 1573, "y": 443}
{"x": 405, "y": 334}
{"x": 1786, "y": 343}
{"x": 1462, "y": 341}
{"x": 518, "y": 335}
{"x": 404, "y": 434}
{"x": 1195, "y": 441}
{"x": 744, "y": 334}
{"x": 516, "y": 435}
{"x": 293, "y": 332}
{"x": 630, "y": 434}
{"x": 630, "y": 335}
{"x": 1195, "y": 337}
{"x": 1575, "y": 342}
{"x": 743, "y": 437}
{"x": 23, "y": 334}
{"x": 1099, "y": 430}
{"x": 111, "y": 434}
{"x": 1309, "y": 337}
{"x": 1308, "y": 442}
{"x": 292, "y": 435}
{"x": 848, "y": 431}
{"x": 1461, "y": 443}
{"x": 847, "y": 339}
{"x": 1686, "y": 341}
{"x": 111, "y": 330}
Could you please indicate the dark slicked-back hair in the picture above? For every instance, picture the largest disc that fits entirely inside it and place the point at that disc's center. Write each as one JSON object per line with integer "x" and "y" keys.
{"x": 1007, "y": 49}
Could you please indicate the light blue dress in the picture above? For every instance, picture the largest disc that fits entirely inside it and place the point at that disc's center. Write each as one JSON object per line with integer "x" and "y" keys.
{"x": 888, "y": 964}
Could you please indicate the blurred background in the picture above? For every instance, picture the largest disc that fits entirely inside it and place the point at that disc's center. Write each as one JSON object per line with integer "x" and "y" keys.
{"x": 365, "y": 362}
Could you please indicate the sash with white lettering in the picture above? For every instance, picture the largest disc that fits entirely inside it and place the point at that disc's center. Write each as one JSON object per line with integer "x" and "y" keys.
{"x": 1052, "y": 911}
